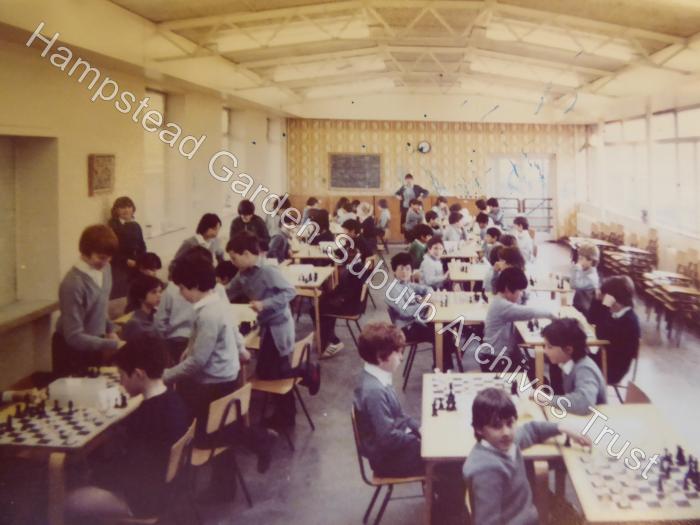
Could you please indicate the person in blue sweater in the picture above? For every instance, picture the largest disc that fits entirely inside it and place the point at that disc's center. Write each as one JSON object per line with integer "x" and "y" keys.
{"x": 144, "y": 297}
{"x": 84, "y": 336}
{"x": 495, "y": 469}
{"x": 389, "y": 438}
{"x": 584, "y": 276}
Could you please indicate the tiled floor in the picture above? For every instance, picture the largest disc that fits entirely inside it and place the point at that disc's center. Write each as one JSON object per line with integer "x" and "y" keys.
{"x": 320, "y": 482}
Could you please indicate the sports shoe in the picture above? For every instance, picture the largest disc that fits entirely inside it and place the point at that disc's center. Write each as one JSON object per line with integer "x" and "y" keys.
{"x": 332, "y": 350}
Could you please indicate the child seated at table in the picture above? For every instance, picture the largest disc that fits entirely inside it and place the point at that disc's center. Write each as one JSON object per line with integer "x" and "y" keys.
{"x": 144, "y": 297}
{"x": 280, "y": 247}
{"x": 269, "y": 294}
{"x": 584, "y": 277}
{"x": 389, "y": 438}
{"x": 323, "y": 232}
{"x": 404, "y": 301}
{"x": 432, "y": 219}
{"x": 525, "y": 241}
{"x": 503, "y": 257}
{"x": 583, "y": 383}
{"x": 499, "y": 329}
{"x": 453, "y": 231}
{"x": 482, "y": 223}
{"x": 441, "y": 209}
{"x": 248, "y": 221}
{"x": 495, "y": 469}
{"x": 495, "y": 212}
{"x": 414, "y": 217}
{"x": 490, "y": 240}
{"x": 225, "y": 271}
{"x": 206, "y": 236}
{"x": 616, "y": 321}
{"x": 135, "y": 485}
{"x": 421, "y": 235}
{"x": 149, "y": 263}
{"x": 432, "y": 272}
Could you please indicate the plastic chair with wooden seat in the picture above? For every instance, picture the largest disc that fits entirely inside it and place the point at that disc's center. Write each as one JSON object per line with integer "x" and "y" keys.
{"x": 180, "y": 454}
{"x": 231, "y": 409}
{"x": 377, "y": 482}
{"x": 635, "y": 394}
{"x": 373, "y": 263}
{"x": 364, "y": 294}
{"x": 281, "y": 387}
{"x": 618, "y": 386}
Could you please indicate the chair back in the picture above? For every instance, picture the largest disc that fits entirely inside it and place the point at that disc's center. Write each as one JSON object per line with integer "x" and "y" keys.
{"x": 180, "y": 453}
{"x": 358, "y": 446}
{"x": 228, "y": 409}
{"x": 302, "y": 351}
{"x": 635, "y": 394}
{"x": 468, "y": 502}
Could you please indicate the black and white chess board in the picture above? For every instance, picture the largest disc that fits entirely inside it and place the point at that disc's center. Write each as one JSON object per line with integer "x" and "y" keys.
{"x": 618, "y": 487}
{"x": 451, "y": 392}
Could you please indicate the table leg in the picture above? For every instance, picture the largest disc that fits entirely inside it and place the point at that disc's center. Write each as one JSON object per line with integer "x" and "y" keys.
{"x": 539, "y": 364}
{"x": 429, "y": 472}
{"x": 438, "y": 347}
{"x": 317, "y": 317}
{"x": 57, "y": 487}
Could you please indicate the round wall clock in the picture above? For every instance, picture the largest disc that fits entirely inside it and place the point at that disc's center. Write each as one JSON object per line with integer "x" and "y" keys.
{"x": 424, "y": 146}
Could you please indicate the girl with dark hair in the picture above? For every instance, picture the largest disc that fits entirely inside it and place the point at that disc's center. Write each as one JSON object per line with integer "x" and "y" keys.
{"x": 131, "y": 245}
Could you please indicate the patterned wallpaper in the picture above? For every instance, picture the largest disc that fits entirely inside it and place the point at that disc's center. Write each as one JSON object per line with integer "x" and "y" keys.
{"x": 459, "y": 160}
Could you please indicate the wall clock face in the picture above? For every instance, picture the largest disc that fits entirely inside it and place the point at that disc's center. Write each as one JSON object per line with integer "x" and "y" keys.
{"x": 424, "y": 146}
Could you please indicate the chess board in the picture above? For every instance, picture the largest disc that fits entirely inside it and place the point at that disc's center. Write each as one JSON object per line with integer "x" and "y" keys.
{"x": 59, "y": 429}
{"x": 618, "y": 488}
{"x": 462, "y": 385}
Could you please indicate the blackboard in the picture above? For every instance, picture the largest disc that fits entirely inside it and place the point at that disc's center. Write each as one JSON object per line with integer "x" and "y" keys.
{"x": 350, "y": 170}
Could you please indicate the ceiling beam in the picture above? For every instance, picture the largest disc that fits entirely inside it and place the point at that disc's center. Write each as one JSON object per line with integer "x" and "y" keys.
{"x": 586, "y": 23}
{"x": 342, "y": 78}
{"x": 265, "y": 15}
{"x": 316, "y": 57}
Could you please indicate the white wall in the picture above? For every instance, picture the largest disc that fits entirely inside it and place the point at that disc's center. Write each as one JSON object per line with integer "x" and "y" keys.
{"x": 8, "y": 261}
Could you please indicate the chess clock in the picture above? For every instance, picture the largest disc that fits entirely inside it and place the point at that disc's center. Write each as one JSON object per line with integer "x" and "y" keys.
{"x": 424, "y": 147}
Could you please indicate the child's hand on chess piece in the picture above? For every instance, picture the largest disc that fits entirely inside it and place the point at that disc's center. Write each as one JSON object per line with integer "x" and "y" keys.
{"x": 575, "y": 435}
{"x": 257, "y": 306}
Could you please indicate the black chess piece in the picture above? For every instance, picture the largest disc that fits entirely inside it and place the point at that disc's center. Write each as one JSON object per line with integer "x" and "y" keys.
{"x": 514, "y": 389}
{"x": 484, "y": 296}
{"x": 70, "y": 407}
{"x": 440, "y": 405}
{"x": 567, "y": 443}
{"x": 470, "y": 300}
{"x": 451, "y": 405}
{"x": 315, "y": 276}
{"x": 680, "y": 456}
{"x": 476, "y": 297}
{"x": 435, "y": 411}
{"x": 532, "y": 282}
{"x": 8, "y": 423}
{"x": 660, "y": 485}
{"x": 531, "y": 325}
{"x": 122, "y": 403}
{"x": 56, "y": 406}
{"x": 537, "y": 323}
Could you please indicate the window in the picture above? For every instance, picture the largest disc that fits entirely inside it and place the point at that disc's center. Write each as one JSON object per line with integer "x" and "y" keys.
{"x": 689, "y": 123}
{"x": 613, "y": 132}
{"x": 229, "y": 204}
{"x": 663, "y": 126}
{"x": 635, "y": 130}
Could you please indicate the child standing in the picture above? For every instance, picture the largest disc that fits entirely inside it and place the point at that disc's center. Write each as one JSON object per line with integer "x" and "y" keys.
{"x": 421, "y": 235}
{"x": 583, "y": 383}
{"x": 269, "y": 294}
{"x": 482, "y": 222}
{"x": 84, "y": 335}
{"x": 495, "y": 469}
{"x": 432, "y": 272}
{"x": 144, "y": 296}
{"x": 312, "y": 203}
{"x": 390, "y": 439}
{"x": 205, "y": 236}
{"x": 247, "y": 221}
{"x": 584, "y": 277}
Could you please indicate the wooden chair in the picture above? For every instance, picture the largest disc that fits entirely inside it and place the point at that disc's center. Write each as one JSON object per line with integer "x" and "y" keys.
{"x": 635, "y": 394}
{"x": 364, "y": 294}
{"x": 468, "y": 503}
{"x": 619, "y": 386}
{"x": 223, "y": 414}
{"x": 374, "y": 259}
{"x": 376, "y": 482}
{"x": 180, "y": 454}
{"x": 281, "y": 387}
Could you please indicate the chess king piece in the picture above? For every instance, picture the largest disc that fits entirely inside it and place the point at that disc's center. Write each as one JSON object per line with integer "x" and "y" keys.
{"x": 435, "y": 410}
{"x": 451, "y": 404}
{"x": 531, "y": 325}
{"x": 680, "y": 456}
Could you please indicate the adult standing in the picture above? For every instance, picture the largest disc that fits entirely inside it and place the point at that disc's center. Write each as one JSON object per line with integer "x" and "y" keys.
{"x": 407, "y": 193}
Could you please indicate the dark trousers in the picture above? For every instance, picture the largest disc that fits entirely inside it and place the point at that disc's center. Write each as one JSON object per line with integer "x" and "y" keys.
{"x": 338, "y": 305}
{"x": 272, "y": 365}
{"x": 67, "y": 361}
{"x": 175, "y": 347}
{"x": 417, "y": 332}
{"x": 404, "y": 211}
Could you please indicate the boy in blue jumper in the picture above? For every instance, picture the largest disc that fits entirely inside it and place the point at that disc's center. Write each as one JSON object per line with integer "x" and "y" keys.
{"x": 432, "y": 272}
{"x": 84, "y": 336}
{"x": 269, "y": 294}
{"x": 495, "y": 469}
{"x": 144, "y": 297}
{"x": 584, "y": 276}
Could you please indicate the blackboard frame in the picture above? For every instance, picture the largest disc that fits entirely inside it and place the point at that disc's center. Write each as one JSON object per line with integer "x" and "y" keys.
{"x": 353, "y": 188}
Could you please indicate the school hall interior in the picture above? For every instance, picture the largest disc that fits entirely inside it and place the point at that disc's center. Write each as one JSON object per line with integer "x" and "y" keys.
{"x": 379, "y": 261}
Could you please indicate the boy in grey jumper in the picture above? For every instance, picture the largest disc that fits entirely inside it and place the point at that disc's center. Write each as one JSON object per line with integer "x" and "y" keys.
{"x": 584, "y": 277}
{"x": 504, "y": 310}
{"x": 432, "y": 272}
{"x": 495, "y": 469}
{"x": 269, "y": 294}
{"x": 389, "y": 438}
{"x": 414, "y": 215}
{"x": 84, "y": 336}
{"x": 144, "y": 294}
{"x": 583, "y": 383}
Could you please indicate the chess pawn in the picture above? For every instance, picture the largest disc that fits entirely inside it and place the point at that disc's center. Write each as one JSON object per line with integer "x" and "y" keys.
{"x": 680, "y": 457}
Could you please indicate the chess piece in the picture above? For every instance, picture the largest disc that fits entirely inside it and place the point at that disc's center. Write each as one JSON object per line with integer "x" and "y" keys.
{"x": 532, "y": 282}
{"x": 435, "y": 413}
{"x": 451, "y": 405}
{"x": 122, "y": 400}
{"x": 660, "y": 485}
{"x": 531, "y": 325}
{"x": 514, "y": 389}
{"x": 56, "y": 406}
{"x": 470, "y": 300}
{"x": 537, "y": 324}
{"x": 447, "y": 300}
{"x": 440, "y": 405}
{"x": 70, "y": 407}
{"x": 567, "y": 443}
{"x": 315, "y": 276}
{"x": 8, "y": 423}
{"x": 484, "y": 296}
{"x": 680, "y": 456}
{"x": 476, "y": 297}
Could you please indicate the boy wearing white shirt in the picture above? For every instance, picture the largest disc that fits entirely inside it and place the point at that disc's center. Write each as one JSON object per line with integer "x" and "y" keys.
{"x": 525, "y": 242}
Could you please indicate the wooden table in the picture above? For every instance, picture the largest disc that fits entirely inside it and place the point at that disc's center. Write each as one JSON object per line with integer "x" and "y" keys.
{"x": 449, "y": 436}
{"x": 578, "y": 241}
{"x": 458, "y": 308}
{"x": 57, "y": 456}
{"x": 475, "y": 272}
{"x": 313, "y": 253}
{"x": 533, "y": 339}
{"x": 645, "y": 427}
{"x": 551, "y": 285}
{"x": 468, "y": 251}
{"x": 313, "y": 290}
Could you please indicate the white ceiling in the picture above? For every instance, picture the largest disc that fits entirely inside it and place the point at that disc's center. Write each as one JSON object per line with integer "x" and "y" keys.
{"x": 577, "y": 57}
